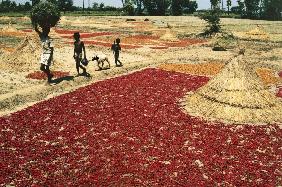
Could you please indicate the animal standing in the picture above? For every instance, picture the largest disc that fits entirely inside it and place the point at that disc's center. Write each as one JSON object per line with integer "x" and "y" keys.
{"x": 101, "y": 58}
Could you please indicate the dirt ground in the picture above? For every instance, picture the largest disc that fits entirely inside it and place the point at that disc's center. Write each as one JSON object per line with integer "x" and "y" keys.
{"x": 18, "y": 92}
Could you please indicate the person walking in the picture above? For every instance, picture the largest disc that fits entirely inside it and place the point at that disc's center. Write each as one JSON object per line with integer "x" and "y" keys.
{"x": 47, "y": 52}
{"x": 116, "y": 50}
{"x": 77, "y": 53}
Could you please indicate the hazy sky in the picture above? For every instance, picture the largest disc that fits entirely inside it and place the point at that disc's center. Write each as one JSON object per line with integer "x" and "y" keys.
{"x": 203, "y": 4}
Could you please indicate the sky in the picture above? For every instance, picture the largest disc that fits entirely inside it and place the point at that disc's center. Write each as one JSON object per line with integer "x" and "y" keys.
{"x": 202, "y": 4}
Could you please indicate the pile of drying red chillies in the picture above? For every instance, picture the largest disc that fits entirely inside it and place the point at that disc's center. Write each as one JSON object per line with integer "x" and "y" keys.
{"x": 131, "y": 131}
{"x": 39, "y": 75}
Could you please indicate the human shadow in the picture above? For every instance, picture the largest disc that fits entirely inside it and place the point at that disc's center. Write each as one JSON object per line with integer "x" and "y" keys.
{"x": 102, "y": 69}
{"x": 61, "y": 79}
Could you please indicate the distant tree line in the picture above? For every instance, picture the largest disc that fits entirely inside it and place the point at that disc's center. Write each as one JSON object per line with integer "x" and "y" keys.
{"x": 11, "y": 6}
{"x": 159, "y": 7}
{"x": 63, "y": 5}
{"x": 252, "y": 9}
{"x": 101, "y": 7}
{"x": 259, "y": 9}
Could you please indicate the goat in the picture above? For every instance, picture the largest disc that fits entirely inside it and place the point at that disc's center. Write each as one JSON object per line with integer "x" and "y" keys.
{"x": 101, "y": 58}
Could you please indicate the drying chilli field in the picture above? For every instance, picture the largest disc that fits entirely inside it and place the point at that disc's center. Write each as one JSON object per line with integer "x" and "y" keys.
{"x": 152, "y": 122}
{"x": 130, "y": 131}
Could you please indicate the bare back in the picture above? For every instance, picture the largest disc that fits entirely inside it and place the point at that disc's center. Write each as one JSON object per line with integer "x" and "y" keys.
{"x": 78, "y": 46}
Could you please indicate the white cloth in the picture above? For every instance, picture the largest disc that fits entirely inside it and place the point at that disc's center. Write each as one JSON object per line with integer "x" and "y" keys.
{"x": 46, "y": 59}
{"x": 47, "y": 50}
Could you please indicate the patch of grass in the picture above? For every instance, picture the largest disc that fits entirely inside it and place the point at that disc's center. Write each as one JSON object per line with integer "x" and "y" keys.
{"x": 9, "y": 41}
{"x": 8, "y": 21}
{"x": 93, "y": 13}
{"x": 14, "y": 14}
{"x": 273, "y": 58}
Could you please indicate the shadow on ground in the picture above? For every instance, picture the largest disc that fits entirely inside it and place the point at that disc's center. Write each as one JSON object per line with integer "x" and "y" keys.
{"x": 61, "y": 79}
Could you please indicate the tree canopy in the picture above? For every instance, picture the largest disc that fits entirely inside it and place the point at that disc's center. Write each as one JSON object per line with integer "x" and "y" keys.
{"x": 44, "y": 14}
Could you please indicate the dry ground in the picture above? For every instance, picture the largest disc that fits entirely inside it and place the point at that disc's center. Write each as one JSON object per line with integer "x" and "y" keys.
{"x": 17, "y": 92}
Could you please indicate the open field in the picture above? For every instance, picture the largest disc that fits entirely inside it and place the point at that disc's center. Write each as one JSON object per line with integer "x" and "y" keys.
{"x": 127, "y": 126}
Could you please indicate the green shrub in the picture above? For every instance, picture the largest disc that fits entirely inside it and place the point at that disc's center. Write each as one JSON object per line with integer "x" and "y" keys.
{"x": 213, "y": 20}
{"x": 45, "y": 14}
{"x": 129, "y": 9}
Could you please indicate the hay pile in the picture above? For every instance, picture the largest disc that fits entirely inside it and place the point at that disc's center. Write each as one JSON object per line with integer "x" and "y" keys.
{"x": 235, "y": 95}
{"x": 223, "y": 41}
{"x": 26, "y": 56}
{"x": 255, "y": 34}
{"x": 10, "y": 30}
{"x": 169, "y": 35}
{"x": 258, "y": 33}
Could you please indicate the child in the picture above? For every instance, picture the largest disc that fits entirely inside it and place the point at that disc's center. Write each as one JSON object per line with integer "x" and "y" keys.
{"x": 77, "y": 53}
{"x": 47, "y": 52}
{"x": 116, "y": 48}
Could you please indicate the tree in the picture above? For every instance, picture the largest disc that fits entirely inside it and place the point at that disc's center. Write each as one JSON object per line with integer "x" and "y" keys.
{"x": 129, "y": 4}
{"x": 241, "y": 7}
{"x": 5, "y": 6}
{"x": 252, "y": 8}
{"x": 34, "y": 2}
{"x": 189, "y": 6}
{"x": 139, "y": 6}
{"x": 214, "y": 4}
{"x": 65, "y": 5}
{"x": 272, "y": 9}
{"x": 228, "y": 3}
{"x": 27, "y": 6}
{"x": 213, "y": 19}
{"x": 176, "y": 7}
{"x": 95, "y": 6}
{"x": 45, "y": 15}
{"x": 129, "y": 8}
{"x": 101, "y": 6}
{"x": 156, "y": 7}
{"x": 13, "y": 6}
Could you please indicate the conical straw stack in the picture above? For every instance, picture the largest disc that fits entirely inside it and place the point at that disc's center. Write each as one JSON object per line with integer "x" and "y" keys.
{"x": 235, "y": 95}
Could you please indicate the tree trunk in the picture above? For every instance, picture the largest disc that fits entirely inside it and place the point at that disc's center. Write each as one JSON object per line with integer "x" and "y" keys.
{"x": 83, "y": 6}
{"x": 222, "y": 5}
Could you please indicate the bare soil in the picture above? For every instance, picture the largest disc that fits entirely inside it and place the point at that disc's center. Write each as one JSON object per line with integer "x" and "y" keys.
{"x": 18, "y": 92}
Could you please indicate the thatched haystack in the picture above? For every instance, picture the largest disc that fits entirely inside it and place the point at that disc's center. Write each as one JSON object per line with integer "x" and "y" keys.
{"x": 26, "y": 56}
{"x": 255, "y": 34}
{"x": 10, "y": 30}
{"x": 258, "y": 33}
{"x": 235, "y": 95}
{"x": 169, "y": 35}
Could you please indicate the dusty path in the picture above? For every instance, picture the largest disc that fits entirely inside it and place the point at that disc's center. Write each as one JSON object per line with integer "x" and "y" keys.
{"x": 26, "y": 92}
{"x": 17, "y": 92}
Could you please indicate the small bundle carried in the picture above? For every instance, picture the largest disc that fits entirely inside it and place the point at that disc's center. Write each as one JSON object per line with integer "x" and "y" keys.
{"x": 45, "y": 14}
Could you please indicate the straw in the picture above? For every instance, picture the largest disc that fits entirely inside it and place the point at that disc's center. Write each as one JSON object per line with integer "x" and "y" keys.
{"x": 235, "y": 95}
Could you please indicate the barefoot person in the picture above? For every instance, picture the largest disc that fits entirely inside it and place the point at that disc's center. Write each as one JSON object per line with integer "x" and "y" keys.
{"x": 77, "y": 53}
{"x": 47, "y": 51}
{"x": 116, "y": 48}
